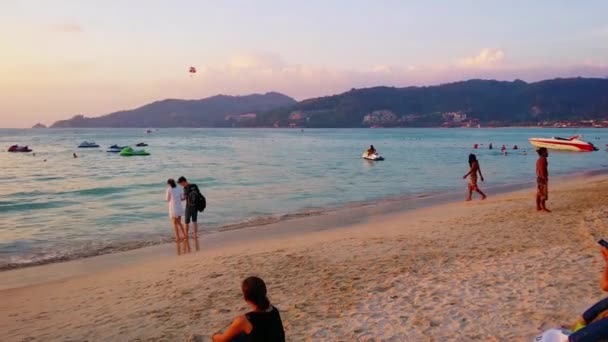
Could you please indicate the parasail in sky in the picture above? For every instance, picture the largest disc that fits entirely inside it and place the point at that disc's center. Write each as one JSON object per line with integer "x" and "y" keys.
{"x": 192, "y": 70}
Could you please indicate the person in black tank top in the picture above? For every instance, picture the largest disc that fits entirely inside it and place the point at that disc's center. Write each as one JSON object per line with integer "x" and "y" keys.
{"x": 263, "y": 324}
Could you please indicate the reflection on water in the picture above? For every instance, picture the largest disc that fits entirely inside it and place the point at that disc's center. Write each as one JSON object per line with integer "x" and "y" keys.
{"x": 184, "y": 246}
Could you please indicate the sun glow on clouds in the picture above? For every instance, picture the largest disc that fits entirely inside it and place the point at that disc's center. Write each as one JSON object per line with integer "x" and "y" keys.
{"x": 64, "y": 88}
{"x": 485, "y": 58}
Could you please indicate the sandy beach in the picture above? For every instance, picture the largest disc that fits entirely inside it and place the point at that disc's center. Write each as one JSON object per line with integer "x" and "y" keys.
{"x": 493, "y": 270}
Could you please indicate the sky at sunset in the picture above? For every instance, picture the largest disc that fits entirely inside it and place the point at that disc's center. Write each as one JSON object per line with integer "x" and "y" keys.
{"x": 59, "y": 58}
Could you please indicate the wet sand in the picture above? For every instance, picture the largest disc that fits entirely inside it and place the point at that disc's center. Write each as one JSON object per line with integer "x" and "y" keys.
{"x": 493, "y": 270}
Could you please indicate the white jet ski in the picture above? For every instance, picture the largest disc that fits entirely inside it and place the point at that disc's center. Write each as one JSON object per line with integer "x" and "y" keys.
{"x": 373, "y": 156}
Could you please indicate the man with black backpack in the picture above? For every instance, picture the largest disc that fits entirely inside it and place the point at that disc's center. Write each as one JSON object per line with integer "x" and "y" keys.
{"x": 195, "y": 202}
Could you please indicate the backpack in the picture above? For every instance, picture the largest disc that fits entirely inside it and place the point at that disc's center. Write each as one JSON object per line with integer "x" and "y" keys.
{"x": 196, "y": 199}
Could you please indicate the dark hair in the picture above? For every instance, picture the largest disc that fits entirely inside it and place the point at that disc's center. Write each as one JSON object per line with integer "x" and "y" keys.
{"x": 372, "y": 146}
{"x": 254, "y": 291}
{"x": 541, "y": 151}
{"x": 181, "y": 179}
{"x": 472, "y": 159}
{"x": 171, "y": 182}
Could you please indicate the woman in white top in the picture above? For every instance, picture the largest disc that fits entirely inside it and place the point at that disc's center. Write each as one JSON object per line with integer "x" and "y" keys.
{"x": 176, "y": 211}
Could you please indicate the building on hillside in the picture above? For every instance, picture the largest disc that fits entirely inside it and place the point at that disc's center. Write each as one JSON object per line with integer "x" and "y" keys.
{"x": 380, "y": 118}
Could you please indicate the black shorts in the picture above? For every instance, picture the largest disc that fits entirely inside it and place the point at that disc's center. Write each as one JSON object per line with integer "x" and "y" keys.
{"x": 191, "y": 213}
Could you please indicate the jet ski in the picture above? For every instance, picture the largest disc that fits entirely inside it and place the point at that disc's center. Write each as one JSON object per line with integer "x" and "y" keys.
{"x": 116, "y": 148}
{"x": 88, "y": 144}
{"x": 129, "y": 152}
{"x": 17, "y": 148}
{"x": 373, "y": 156}
{"x": 141, "y": 144}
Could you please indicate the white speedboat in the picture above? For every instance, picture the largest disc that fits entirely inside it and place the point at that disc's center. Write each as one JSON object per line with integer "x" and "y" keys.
{"x": 373, "y": 156}
{"x": 566, "y": 144}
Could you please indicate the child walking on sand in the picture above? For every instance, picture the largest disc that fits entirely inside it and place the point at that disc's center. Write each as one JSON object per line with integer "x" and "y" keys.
{"x": 474, "y": 165}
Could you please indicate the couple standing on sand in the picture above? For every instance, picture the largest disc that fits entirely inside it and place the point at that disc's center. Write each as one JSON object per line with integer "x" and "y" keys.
{"x": 195, "y": 202}
{"x": 542, "y": 179}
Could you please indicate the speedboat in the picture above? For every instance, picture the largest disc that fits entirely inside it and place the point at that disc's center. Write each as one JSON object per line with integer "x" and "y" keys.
{"x": 141, "y": 144}
{"x": 373, "y": 157}
{"x": 129, "y": 152}
{"x": 116, "y": 148}
{"x": 88, "y": 144}
{"x": 566, "y": 144}
{"x": 17, "y": 148}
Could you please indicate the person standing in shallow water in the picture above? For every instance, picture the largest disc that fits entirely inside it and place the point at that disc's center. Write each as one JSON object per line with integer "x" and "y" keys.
{"x": 190, "y": 192}
{"x": 474, "y": 165}
{"x": 542, "y": 180}
{"x": 262, "y": 324}
{"x": 173, "y": 195}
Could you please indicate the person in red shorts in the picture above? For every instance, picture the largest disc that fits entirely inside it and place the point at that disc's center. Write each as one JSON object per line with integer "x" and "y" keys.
{"x": 542, "y": 180}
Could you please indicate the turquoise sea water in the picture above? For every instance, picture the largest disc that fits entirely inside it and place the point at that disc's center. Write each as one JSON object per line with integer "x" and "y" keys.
{"x": 54, "y": 207}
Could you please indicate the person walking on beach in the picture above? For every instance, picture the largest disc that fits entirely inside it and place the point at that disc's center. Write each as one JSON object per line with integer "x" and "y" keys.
{"x": 262, "y": 324}
{"x": 542, "y": 180}
{"x": 193, "y": 197}
{"x": 173, "y": 195}
{"x": 474, "y": 165}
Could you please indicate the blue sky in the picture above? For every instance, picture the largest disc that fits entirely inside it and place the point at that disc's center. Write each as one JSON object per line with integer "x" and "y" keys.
{"x": 94, "y": 57}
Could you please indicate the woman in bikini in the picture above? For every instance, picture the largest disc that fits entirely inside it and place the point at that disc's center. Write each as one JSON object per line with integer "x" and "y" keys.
{"x": 474, "y": 165}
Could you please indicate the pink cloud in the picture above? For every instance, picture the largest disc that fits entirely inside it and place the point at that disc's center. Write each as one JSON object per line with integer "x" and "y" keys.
{"x": 259, "y": 73}
{"x": 64, "y": 90}
{"x": 485, "y": 58}
{"x": 68, "y": 27}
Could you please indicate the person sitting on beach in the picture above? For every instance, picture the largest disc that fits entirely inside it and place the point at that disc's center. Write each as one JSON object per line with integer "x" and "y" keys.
{"x": 173, "y": 195}
{"x": 474, "y": 165}
{"x": 262, "y": 324}
{"x": 371, "y": 150}
{"x": 593, "y": 324}
{"x": 542, "y": 180}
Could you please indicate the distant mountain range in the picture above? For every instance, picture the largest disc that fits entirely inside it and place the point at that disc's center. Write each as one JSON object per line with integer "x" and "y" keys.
{"x": 208, "y": 112}
{"x": 470, "y": 102}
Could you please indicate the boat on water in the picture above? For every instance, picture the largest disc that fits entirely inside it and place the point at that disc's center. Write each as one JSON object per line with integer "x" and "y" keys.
{"x": 129, "y": 152}
{"x": 88, "y": 144}
{"x": 17, "y": 148}
{"x": 372, "y": 157}
{"x": 574, "y": 143}
{"x": 116, "y": 148}
{"x": 141, "y": 144}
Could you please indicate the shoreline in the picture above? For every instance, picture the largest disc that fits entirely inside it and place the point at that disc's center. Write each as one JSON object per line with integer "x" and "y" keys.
{"x": 425, "y": 274}
{"x": 285, "y": 226}
{"x": 383, "y": 205}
